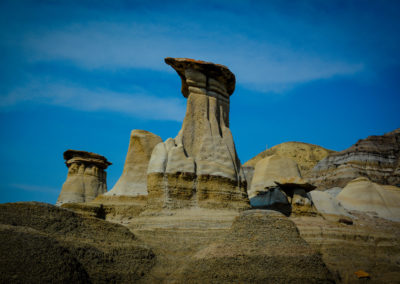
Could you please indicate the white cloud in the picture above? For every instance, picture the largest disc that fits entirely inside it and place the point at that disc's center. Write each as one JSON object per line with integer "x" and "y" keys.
{"x": 61, "y": 94}
{"x": 35, "y": 188}
{"x": 256, "y": 63}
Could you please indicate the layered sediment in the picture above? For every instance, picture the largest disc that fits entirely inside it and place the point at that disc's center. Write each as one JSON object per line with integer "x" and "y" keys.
{"x": 262, "y": 246}
{"x": 369, "y": 244}
{"x": 376, "y": 157}
{"x": 86, "y": 177}
{"x": 200, "y": 166}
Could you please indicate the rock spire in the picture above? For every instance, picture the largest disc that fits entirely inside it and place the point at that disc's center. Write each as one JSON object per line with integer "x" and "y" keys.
{"x": 86, "y": 177}
{"x": 133, "y": 181}
{"x": 200, "y": 166}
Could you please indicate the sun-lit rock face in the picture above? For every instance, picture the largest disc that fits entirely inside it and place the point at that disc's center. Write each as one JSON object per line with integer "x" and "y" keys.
{"x": 200, "y": 166}
{"x": 133, "y": 181}
{"x": 86, "y": 177}
{"x": 365, "y": 196}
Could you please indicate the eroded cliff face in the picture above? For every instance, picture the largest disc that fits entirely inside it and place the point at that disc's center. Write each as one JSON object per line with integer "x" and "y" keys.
{"x": 200, "y": 166}
{"x": 86, "y": 177}
{"x": 376, "y": 157}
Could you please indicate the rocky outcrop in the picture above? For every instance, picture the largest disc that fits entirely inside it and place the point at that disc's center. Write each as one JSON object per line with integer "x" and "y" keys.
{"x": 305, "y": 155}
{"x": 86, "y": 177}
{"x": 271, "y": 169}
{"x": 363, "y": 195}
{"x": 133, "y": 180}
{"x": 376, "y": 157}
{"x": 277, "y": 184}
{"x": 200, "y": 166}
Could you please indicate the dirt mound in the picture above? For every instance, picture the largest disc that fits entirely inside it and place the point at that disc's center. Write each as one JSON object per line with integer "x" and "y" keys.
{"x": 262, "y": 247}
{"x": 39, "y": 241}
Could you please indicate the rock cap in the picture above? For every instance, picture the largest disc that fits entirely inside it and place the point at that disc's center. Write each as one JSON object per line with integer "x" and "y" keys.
{"x": 77, "y": 156}
{"x": 218, "y": 72}
{"x": 294, "y": 182}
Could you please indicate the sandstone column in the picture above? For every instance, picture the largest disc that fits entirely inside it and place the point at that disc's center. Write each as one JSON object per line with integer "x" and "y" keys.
{"x": 134, "y": 176}
{"x": 86, "y": 177}
{"x": 200, "y": 166}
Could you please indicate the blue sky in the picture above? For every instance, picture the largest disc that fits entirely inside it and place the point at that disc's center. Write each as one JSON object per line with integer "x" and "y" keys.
{"x": 83, "y": 74}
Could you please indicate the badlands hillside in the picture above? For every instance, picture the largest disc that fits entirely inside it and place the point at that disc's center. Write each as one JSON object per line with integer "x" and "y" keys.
{"x": 185, "y": 210}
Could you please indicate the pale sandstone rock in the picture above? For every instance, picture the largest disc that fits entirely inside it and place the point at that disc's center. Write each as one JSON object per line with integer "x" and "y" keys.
{"x": 133, "y": 180}
{"x": 363, "y": 195}
{"x": 376, "y": 157}
{"x": 277, "y": 184}
{"x": 86, "y": 177}
{"x": 305, "y": 155}
{"x": 270, "y": 169}
{"x": 200, "y": 166}
{"x": 334, "y": 191}
{"x": 327, "y": 205}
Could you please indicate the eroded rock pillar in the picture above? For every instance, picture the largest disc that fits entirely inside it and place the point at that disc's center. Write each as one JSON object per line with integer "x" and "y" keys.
{"x": 86, "y": 177}
{"x": 200, "y": 166}
{"x": 134, "y": 176}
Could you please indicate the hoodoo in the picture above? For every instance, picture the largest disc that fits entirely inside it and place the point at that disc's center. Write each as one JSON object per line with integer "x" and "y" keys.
{"x": 200, "y": 167}
{"x": 86, "y": 177}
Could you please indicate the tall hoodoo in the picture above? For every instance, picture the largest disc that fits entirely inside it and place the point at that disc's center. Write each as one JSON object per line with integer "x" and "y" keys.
{"x": 200, "y": 166}
{"x": 86, "y": 177}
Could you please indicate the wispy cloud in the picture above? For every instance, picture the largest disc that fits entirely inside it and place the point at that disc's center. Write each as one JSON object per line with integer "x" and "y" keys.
{"x": 271, "y": 47}
{"x": 76, "y": 97}
{"x": 35, "y": 188}
{"x": 256, "y": 63}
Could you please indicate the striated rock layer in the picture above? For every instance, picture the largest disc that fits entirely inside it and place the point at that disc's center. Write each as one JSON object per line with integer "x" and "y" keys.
{"x": 86, "y": 177}
{"x": 133, "y": 181}
{"x": 376, "y": 157}
{"x": 370, "y": 244}
{"x": 200, "y": 166}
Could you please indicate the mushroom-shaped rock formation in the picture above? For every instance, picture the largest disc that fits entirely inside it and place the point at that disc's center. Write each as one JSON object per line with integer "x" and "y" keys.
{"x": 271, "y": 169}
{"x": 133, "y": 180}
{"x": 277, "y": 184}
{"x": 86, "y": 177}
{"x": 200, "y": 166}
